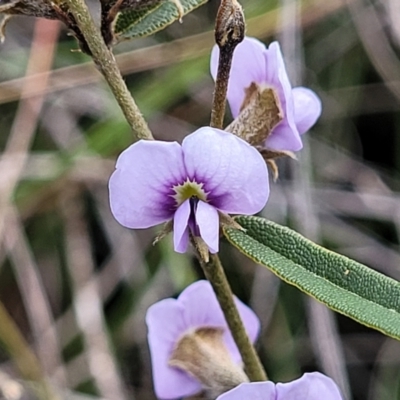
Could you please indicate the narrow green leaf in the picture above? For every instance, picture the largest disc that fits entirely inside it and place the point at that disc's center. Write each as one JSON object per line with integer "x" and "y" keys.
{"x": 130, "y": 18}
{"x": 136, "y": 23}
{"x": 342, "y": 284}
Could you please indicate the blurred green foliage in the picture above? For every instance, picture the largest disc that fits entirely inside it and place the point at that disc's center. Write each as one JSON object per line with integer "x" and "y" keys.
{"x": 351, "y": 165}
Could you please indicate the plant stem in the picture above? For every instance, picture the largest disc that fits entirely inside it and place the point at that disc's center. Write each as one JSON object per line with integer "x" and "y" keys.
{"x": 229, "y": 32}
{"x": 214, "y": 272}
{"x": 23, "y": 356}
{"x": 105, "y": 61}
{"x": 221, "y": 88}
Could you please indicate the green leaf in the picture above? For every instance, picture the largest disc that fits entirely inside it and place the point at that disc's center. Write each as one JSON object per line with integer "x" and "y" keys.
{"x": 141, "y": 22}
{"x": 342, "y": 284}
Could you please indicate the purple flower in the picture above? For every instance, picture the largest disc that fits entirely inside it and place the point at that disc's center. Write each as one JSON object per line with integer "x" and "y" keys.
{"x": 311, "y": 386}
{"x": 254, "y": 63}
{"x": 212, "y": 171}
{"x": 169, "y": 320}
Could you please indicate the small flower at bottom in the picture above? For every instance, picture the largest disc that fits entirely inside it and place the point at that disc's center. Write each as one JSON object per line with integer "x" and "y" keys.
{"x": 191, "y": 346}
{"x": 311, "y": 386}
{"x": 212, "y": 172}
{"x": 254, "y": 64}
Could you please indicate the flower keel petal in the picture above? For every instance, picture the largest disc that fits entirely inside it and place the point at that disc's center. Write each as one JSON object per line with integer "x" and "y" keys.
{"x": 181, "y": 229}
{"x": 208, "y": 221}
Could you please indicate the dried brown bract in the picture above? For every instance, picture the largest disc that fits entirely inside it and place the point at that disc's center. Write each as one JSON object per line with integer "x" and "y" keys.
{"x": 41, "y": 9}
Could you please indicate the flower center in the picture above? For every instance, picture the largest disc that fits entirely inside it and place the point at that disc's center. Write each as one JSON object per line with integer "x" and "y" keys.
{"x": 187, "y": 190}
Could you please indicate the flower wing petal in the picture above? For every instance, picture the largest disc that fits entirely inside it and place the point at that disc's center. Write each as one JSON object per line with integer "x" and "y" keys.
{"x": 233, "y": 173}
{"x": 141, "y": 186}
{"x": 253, "y": 391}
{"x": 307, "y": 108}
{"x": 165, "y": 322}
{"x": 208, "y": 221}
{"x": 248, "y": 65}
{"x": 285, "y": 135}
{"x": 311, "y": 386}
{"x": 283, "y": 138}
{"x": 181, "y": 229}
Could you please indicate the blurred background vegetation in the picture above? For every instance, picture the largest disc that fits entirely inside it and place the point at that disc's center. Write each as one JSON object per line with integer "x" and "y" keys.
{"x": 78, "y": 285}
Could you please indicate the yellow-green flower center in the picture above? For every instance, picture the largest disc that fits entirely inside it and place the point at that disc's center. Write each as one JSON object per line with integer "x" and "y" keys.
{"x": 187, "y": 190}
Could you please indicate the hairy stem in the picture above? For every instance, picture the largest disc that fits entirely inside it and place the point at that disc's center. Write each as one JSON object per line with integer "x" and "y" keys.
{"x": 221, "y": 87}
{"x": 105, "y": 61}
{"x": 26, "y": 361}
{"x": 214, "y": 272}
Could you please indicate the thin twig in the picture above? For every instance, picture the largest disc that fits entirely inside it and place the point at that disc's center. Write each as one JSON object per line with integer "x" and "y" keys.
{"x": 24, "y": 358}
{"x": 34, "y": 297}
{"x": 376, "y": 43}
{"x": 214, "y": 272}
{"x": 105, "y": 61}
{"x": 40, "y": 60}
{"x": 324, "y": 334}
{"x": 87, "y": 304}
{"x": 221, "y": 88}
{"x": 25, "y": 122}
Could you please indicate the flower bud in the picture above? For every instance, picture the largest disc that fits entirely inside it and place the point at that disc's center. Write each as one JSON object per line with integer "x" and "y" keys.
{"x": 230, "y": 25}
